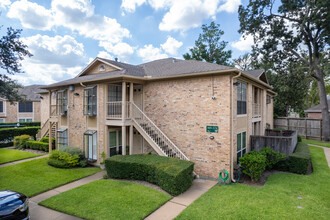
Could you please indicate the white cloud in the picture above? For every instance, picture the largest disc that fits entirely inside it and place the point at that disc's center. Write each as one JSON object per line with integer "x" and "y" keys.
{"x": 183, "y": 16}
{"x": 104, "y": 54}
{"x": 160, "y": 4}
{"x": 149, "y": 53}
{"x": 54, "y": 59}
{"x": 121, "y": 50}
{"x": 171, "y": 46}
{"x": 4, "y": 3}
{"x": 230, "y": 6}
{"x": 130, "y": 5}
{"x": 244, "y": 43}
{"x": 31, "y": 15}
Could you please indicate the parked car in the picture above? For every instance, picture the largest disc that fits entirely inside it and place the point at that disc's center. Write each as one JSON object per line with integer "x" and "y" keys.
{"x": 13, "y": 205}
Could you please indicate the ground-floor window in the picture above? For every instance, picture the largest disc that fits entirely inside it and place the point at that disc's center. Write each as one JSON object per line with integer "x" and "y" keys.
{"x": 25, "y": 120}
{"x": 90, "y": 137}
{"x": 115, "y": 142}
{"x": 62, "y": 138}
{"x": 241, "y": 145}
{"x": 2, "y": 120}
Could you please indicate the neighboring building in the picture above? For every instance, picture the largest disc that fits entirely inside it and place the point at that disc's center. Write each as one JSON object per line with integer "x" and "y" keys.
{"x": 26, "y": 111}
{"x": 315, "y": 111}
{"x": 190, "y": 109}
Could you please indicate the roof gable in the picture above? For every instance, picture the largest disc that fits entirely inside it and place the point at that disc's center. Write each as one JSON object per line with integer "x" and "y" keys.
{"x": 97, "y": 66}
{"x": 258, "y": 74}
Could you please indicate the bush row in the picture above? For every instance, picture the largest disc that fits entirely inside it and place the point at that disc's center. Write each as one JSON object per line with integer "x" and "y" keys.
{"x": 10, "y": 133}
{"x": 6, "y": 144}
{"x": 28, "y": 124}
{"x": 67, "y": 158}
{"x": 27, "y": 142}
{"x": 255, "y": 163}
{"x": 46, "y": 140}
{"x": 298, "y": 162}
{"x": 171, "y": 174}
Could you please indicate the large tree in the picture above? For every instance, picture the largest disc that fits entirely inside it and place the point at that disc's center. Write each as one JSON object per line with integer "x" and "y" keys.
{"x": 291, "y": 29}
{"x": 12, "y": 51}
{"x": 209, "y": 47}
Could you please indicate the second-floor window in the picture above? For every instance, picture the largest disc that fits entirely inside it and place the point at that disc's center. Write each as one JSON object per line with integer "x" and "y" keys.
{"x": 90, "y": 101}
{"x": 241, "y": 98}
{"x": 62, "y": 102}
{"x": 25, "y": 107}
{"x": 1, "y": 106}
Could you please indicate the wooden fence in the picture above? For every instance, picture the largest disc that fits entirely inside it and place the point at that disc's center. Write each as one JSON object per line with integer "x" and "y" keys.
{"x": 280, "y": 141}
{"x": 306, "y": 127}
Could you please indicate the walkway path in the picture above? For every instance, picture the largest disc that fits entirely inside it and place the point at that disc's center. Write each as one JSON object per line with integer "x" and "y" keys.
{"x": 326, "y": 152}
{"x": 21, "y": 161}
{"x": 40, "y": 213}
{"x": 175, "y": 206}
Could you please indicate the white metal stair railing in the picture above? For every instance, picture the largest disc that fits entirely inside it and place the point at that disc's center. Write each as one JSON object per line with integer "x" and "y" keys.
{"x": 157, "y": 136}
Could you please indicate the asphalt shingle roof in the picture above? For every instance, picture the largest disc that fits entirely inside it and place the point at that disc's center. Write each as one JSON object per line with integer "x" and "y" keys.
{"x": 159, "y": 68}
{"x": 31, "y": 92}
{"x": 317, "y": 108}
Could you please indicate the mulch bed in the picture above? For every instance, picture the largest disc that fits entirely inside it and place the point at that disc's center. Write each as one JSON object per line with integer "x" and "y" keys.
{"x": 29, "y": 150}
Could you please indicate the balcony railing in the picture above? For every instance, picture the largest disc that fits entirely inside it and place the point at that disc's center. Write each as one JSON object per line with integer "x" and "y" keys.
{"x": 256, "y": 110}
{"x": 115, "y": 110}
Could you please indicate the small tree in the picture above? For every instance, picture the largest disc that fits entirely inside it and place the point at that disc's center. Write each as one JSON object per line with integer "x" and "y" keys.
{"x": 209, "y": 46}
{"x": 12, "y": 51}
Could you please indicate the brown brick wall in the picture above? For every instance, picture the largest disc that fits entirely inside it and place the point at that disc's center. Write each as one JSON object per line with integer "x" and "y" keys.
{"x": 315, "y": 115}
{"x": 183, "y": 108}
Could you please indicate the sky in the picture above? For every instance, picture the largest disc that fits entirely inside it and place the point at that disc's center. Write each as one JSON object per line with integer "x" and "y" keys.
{"x": 64, "y": 36}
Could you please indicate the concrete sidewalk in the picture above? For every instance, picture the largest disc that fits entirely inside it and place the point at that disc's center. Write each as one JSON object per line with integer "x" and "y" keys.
{"x": 40, "y": 213}
{"x": 21, "y": 161}
{"x": 176, "y": 205}
{"x": 326, "y": 152}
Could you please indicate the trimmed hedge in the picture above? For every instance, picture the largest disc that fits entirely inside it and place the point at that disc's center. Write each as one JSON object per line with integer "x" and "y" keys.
{"x": 171, "y": 174}
{"x": 37, "y": 145}
{"x": 27, "y": 124}
{"x": 71, "y": 157}
{"x": 298, "y": 162}
{"x": 253, "y": 164}
{"x": 10, "y": 133}
{"x": 46, "y": 140}
{"x": 6, "y": 144}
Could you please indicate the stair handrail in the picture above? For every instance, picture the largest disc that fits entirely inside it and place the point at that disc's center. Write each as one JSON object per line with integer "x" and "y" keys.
{"x": 41, "y": 133}
{"x": 182, "y": 155}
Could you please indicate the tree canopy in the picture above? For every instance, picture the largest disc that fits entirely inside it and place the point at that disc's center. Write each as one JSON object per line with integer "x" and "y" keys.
{"x": 12, "y": 51}
{"x": 209, "y": 47}
{"x": 291, "y": 31}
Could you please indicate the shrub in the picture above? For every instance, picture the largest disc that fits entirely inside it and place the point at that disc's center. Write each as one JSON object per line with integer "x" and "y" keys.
{"x": 298, "y": 162}
{"x": 253, "y": 164}
{"x": 46, "y": 140}
{"x": 299, "y": 138}
{"x": 20, "y": 141}
{"x": 6, "y": 144}
{"x": 66, "y": 159}
{"x": 10, "y": 133}
{"x": 58, "y": 163}
{"x": 73, "y": 151}
{"x": 171, "y": 174}
{"x": 37, "y": 145}
{"x": 272, "y": 157}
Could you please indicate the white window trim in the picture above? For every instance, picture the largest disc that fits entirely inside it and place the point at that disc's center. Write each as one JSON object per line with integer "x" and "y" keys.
{"x": 25, "y": 118}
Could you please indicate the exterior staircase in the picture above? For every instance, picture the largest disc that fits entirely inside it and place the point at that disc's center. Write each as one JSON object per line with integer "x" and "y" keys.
{"x": 44, "y": 131}
{"x": 155, "y": 137}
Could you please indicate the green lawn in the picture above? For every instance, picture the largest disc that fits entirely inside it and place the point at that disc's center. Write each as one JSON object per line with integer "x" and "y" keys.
{"x": 36, "y": 176}
{"x": 108, "y": 199}
{"x": 324, "y": 144}
{"x": 284, "y": 196}
{"x": 10, "y": 155}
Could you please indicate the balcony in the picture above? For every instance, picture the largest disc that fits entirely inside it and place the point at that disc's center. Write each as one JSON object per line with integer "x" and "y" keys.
{"x": 115, "y": 110}
{"x": 256, "y": 110}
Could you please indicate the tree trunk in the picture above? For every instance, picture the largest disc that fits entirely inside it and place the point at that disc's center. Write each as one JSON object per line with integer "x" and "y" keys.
{"x": 324, "y": 108}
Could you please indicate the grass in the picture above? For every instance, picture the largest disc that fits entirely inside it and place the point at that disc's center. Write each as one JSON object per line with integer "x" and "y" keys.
{"x": 280, "y": 198}
{"x": 36, "y": 176}
{"x": 324, "y": 144}
{"x": 10, "y": 155}
{"x": 108, "y": 199}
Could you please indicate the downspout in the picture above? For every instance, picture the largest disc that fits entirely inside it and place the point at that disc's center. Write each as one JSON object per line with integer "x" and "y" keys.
{"x": 82, "y": 85}
{"x": 232, "y": 129}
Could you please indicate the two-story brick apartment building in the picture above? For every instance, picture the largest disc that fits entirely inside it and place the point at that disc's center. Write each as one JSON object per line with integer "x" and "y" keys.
{"x": 25, "y": 111}
{"x": 192, "y": 110}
